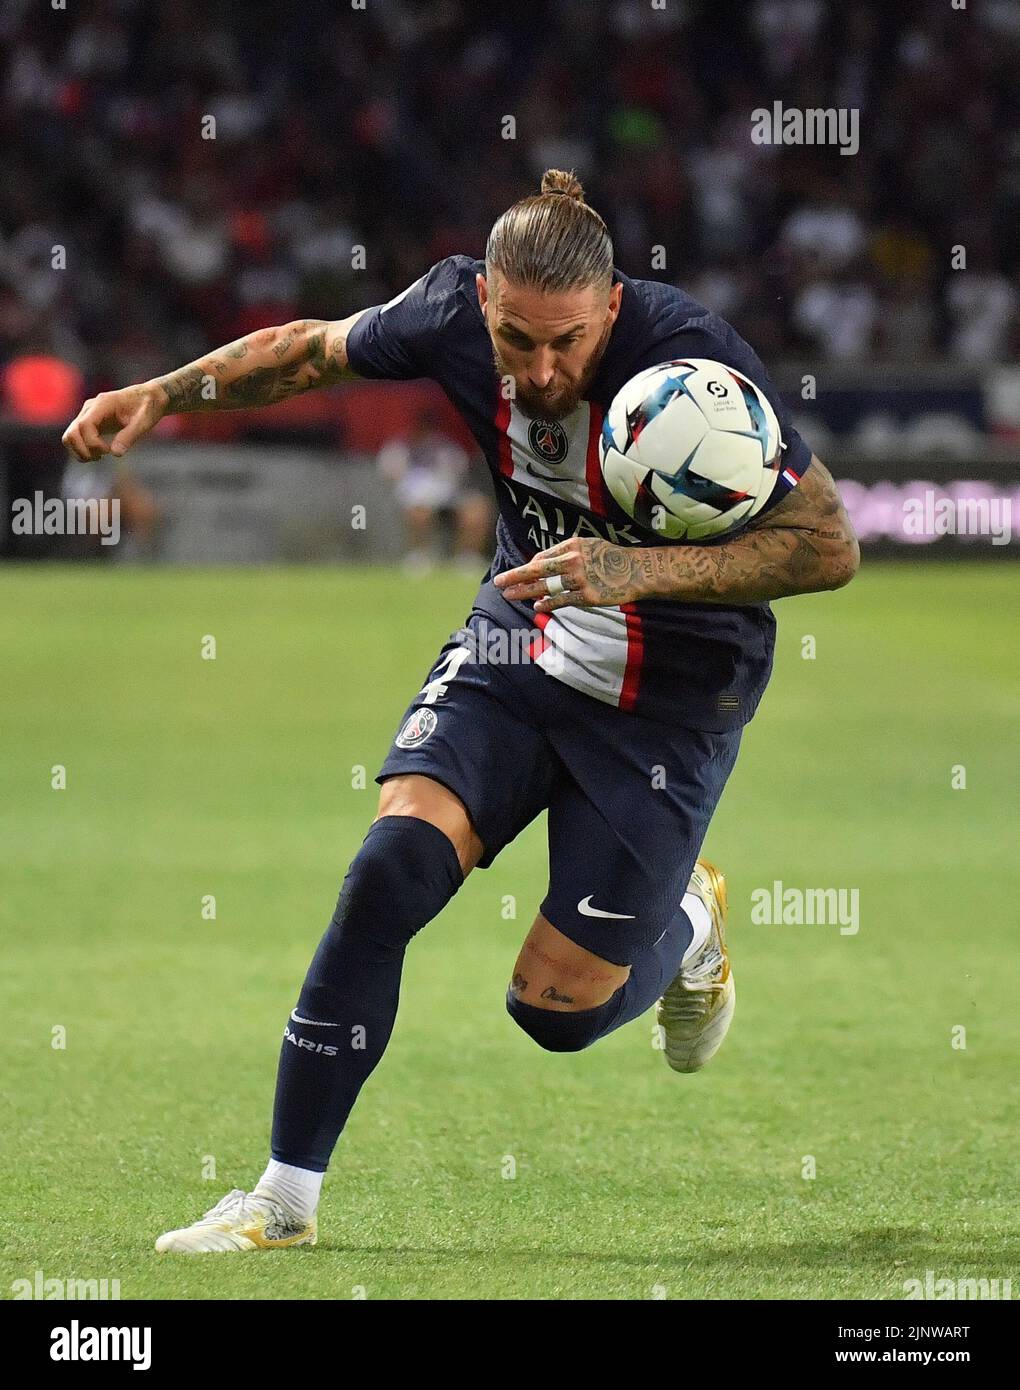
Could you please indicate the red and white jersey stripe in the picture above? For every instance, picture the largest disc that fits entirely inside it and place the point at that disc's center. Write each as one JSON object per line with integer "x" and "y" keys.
{"x": 597, "y": 651}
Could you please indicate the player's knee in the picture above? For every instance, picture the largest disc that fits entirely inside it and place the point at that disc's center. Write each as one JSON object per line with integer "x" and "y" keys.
{"x": 404, "y": 875}
{"x": 558, "y": 1030}
{"x": 422, "y": 798}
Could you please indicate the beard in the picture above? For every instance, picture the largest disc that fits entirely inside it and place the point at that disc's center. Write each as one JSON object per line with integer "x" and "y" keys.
{"x": 564, "y": 400}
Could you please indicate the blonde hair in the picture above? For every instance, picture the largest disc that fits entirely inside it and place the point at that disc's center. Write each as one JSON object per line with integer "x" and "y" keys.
{"x": 552, "y": 240}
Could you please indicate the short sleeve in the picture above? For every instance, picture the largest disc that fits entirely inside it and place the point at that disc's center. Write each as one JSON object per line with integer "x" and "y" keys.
{"x": 399, "y": 340}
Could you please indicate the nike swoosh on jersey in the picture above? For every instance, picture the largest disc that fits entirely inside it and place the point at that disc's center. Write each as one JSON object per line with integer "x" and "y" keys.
{"x": 313, "y": 1021}
{"x": 585, "y": 908}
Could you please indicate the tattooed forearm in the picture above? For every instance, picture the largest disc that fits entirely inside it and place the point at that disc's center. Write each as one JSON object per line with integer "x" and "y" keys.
{"x": 184, "y": 388}
{"x": 550, "y": 992}
{"x": 807, "y": 544}
{"x": 277, "y": 363}
{"x": 263, "y": 386}
{"x": 757, "y": 567}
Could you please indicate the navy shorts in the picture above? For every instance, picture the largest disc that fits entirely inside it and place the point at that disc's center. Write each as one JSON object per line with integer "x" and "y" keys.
{"x": 629, "y": 798}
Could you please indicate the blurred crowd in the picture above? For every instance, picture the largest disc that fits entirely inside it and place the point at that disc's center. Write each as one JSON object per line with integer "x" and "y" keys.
{"x": 179, "y": 172}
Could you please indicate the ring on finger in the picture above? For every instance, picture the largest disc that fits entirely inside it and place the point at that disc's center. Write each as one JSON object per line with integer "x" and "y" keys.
{"x": 556, "y": 584}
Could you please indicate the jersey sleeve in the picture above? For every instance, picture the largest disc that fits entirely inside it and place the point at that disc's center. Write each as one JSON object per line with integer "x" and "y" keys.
{"x": 399, "y": 340}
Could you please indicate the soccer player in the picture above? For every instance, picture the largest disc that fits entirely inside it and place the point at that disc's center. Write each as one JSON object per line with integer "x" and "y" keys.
{"x": 602, "y": 675}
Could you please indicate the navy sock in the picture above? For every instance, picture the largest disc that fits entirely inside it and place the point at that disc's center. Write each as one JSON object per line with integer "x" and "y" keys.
{"x": 404, "y": 875}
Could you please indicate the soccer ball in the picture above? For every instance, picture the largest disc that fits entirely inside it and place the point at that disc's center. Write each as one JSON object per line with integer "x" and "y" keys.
{"x": 690, "y": 449}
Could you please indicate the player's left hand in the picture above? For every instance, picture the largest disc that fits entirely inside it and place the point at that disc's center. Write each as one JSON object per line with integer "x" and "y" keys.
{"x": 579, "y": 573}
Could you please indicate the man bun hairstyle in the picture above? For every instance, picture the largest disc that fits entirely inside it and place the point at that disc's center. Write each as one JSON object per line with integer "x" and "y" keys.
{"x": 556, "y": 181}
{"x": 552, "y": 240}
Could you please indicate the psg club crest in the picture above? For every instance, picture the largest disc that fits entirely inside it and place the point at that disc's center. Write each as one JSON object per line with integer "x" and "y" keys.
{"x": 547, "y": 440}
{"x": 417, "y": 729}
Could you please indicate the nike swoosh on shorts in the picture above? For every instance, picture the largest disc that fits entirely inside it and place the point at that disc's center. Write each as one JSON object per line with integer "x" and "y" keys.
{"x": 586, "y": 910}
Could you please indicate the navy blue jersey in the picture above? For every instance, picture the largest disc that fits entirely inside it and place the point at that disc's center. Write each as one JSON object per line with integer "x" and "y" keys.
{"x": 704, "y": 666}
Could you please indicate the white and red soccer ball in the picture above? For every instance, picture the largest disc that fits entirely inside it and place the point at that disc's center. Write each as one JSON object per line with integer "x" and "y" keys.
{"x": 690, "y": 449}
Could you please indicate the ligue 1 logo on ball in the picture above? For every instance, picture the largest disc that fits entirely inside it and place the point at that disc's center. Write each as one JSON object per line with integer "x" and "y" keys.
{"x": 548, "y": 440}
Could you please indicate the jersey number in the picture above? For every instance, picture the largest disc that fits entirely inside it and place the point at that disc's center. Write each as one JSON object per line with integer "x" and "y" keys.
{"x": 445, "y": 672}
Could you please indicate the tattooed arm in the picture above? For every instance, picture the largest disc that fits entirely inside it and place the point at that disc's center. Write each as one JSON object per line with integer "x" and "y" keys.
{"x": 266, "y": 366}
{"x": 804, "y": 544}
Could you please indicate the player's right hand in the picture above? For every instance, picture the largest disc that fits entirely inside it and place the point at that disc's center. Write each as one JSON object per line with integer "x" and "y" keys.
{"x": 114, "y": 420}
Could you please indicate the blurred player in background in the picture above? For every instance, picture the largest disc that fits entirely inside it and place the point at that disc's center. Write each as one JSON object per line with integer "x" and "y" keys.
{"x": 431, "y": 477}
{"x": 634, "y": 655}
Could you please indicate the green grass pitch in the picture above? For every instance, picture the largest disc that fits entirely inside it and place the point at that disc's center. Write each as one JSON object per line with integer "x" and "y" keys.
{"x": 233, "y": 777}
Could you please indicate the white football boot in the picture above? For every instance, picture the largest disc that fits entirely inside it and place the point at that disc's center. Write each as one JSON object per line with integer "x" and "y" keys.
{"x": 695, "y": 1011}
{"x": 240, "y": 1221}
